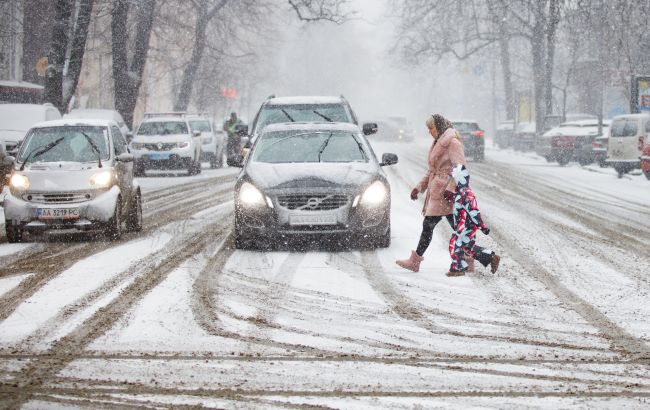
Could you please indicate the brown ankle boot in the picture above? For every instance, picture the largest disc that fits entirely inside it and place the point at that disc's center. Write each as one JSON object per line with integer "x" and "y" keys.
{"x": 412, "y": 263}
{"x": 494, "y": 262}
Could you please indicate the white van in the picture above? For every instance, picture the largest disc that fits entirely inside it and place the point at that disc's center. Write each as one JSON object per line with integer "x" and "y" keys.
{"x": 17, "y": 119}
{"x": 627, "y": 136}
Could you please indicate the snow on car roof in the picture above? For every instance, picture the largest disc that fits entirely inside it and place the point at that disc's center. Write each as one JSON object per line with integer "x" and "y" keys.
{"x": 164, "y": 119}
{"x": 309, "y": 126}
{"x": 92, "y": 122}
{"x": 584, "y": 123}
{"x": 90, "y": 113}
{"x": 297, "y": 100}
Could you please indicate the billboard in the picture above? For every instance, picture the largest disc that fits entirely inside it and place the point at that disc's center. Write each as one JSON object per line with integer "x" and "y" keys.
{"x": 640, "y": 101}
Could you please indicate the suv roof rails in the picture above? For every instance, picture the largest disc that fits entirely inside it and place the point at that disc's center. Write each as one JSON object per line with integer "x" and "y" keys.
{"x": 165, "y": 114}
{"x": 270, "y": 96}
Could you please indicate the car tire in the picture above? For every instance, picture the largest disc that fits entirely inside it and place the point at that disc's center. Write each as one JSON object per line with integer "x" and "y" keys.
{"x": 114, "y": 229}
{"x": 647, "y": 174}
{"x": 563, "y": 160}
{"x": 134, "y": 221}
{"x": 584, "y": 161}
{"x": 14, "y": 233}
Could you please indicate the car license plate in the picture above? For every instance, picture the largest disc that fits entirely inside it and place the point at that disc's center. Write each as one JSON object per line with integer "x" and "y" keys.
{"x": 58, "y": 213}
{"x": 159, "y": 156}
{"x": 322, "y": 219}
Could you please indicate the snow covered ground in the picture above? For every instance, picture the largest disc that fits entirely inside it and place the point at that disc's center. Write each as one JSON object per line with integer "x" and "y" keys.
{"x": 176, "y": 316}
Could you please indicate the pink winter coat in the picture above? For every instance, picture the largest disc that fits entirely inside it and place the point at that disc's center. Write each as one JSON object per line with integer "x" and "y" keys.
{"x": 446, "y": 152}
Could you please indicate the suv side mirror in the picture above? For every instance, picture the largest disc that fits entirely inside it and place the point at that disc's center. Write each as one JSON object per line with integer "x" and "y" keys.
{"x": 388, "y": 159}
{"x": 124, "y": 157}
{"x": 370, "y": 128}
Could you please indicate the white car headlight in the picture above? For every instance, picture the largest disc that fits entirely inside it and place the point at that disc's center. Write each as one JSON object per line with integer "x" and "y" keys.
{"x": 183, "y": 144}
{"x": 251, "y": 196}
{"x": 375, "y": 194}
{"x": 20, "y": 182}
{"x": 102, "y": 179}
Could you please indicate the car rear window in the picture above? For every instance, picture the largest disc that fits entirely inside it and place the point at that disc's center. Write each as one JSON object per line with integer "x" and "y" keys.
{"x": 466, "y": 126}
{"x": 624, "y": 128}
{"x": 318, "y": 146}
{"x": 162, "y": 128}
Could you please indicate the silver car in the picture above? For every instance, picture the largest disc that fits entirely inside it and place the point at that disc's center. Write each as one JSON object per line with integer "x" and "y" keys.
{"x": 76, "y": 175}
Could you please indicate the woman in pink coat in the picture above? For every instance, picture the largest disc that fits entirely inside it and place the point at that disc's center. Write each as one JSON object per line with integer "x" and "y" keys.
{"x": 445, "y": 153}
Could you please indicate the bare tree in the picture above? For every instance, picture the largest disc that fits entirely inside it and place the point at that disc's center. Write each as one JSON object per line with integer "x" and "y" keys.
{"x": 66, "y": 51}
{"x": 127, "y": 74}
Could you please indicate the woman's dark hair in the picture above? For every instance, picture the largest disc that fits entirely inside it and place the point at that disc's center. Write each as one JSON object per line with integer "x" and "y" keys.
{"x": 441, "y": 123}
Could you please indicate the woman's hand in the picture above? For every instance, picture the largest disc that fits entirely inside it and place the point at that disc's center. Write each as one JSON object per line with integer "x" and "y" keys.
{"x": 448, "y": 195}
{"x": 414, "y": 194}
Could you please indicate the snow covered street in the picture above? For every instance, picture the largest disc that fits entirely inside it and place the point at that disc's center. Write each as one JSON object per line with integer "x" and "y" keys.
{"x": 175, "y": 316}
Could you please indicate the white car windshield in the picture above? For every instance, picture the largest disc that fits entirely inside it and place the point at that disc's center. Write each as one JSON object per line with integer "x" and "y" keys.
{"x": 75, "y": 144}
{"x": 202, "y": 126}
{"x": 272, "y": 114}
{"x": 318, "y": 146}
{"x": 162, "y": 128}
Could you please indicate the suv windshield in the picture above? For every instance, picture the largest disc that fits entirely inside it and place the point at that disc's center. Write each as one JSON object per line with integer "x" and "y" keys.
{"x": 466, "y": 126}
{"x": 271, "y": 114}
{"x": 73, "y": 147}
{"x": 320, "y": 146}
{"x": 162, "y": 128}
{"x": 200, "y": 125}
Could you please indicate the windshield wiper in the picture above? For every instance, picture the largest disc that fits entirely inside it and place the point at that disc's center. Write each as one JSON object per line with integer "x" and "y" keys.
{"x": 324, "y": 145}
{"x": 328, "y": 119}
{"x": 287, "y": 114}
{"x": 92, "y": 144}
{"x": 40, "y": 151}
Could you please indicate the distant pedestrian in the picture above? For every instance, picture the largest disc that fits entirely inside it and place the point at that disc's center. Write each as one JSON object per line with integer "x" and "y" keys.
{"x": 233, "y": 142}
{"x": 467, "y": 221}
{"x": 445, "y": 152}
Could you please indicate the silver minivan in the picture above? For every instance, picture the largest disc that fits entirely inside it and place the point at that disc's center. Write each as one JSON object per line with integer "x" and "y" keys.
{"x": 76, "y": 175}
{"x": 627, "y": 134}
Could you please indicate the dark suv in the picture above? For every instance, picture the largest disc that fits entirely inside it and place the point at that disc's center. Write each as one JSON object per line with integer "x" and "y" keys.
{"x": 473, "y": 138}
{"x": 305, "y": 109}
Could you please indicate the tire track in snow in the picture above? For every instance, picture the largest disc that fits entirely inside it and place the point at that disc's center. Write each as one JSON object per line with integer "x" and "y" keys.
{"x": 41, "y": 370}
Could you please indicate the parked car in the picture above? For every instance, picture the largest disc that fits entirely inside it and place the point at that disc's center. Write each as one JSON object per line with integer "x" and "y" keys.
{"x": 645, "y": 159}
{"x": 572, "y": 141}
{"x": 212, "y": 140}
{"x": 626, "y": 141}
{"x": 305, "y": 109}
{"x": 503, "y": 136}
{"x": 16, "y": 119}
{"x": 102, "y": 114}
{"x": 524, "y": 136}
{"x": 313, "y": 179}
{"x": 387, "y": 131}
{"x": 599, "y": 148}
{"x": 6, "y": 161}
{"x": 165, "y": 141}
{"x": 73, "y": 174}
{"x": 473, "y": 138}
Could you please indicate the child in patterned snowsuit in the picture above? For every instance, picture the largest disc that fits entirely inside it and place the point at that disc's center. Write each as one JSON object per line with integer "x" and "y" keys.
{"x": 467, "y": 221}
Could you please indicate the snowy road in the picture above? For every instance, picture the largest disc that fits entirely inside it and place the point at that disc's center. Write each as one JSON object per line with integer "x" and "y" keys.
{"x": 175, "y": 316}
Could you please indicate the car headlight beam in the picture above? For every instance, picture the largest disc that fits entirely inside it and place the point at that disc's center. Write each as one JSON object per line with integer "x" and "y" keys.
{"x": 19, "y": 181}
{"x": 102, "y": 179}
{"x": 375, "y": 194}
{"x": 251, "y": 196}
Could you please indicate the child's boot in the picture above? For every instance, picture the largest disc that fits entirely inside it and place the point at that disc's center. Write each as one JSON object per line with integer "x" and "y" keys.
{"x": 494, "y": 262}
{"x": 412, "y": 263}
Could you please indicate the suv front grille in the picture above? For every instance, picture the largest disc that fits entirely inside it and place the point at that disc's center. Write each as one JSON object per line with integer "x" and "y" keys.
{"x": 160, "y": 146}
{"x": 58, "y": 198}
{"x": 311, "y": 202}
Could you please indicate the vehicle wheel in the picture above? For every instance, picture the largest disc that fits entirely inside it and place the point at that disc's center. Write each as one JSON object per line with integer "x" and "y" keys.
{"x": 602, "y": 164}
{"x": 14, "y": 233}
{"x": 114, "y": 229}
{"x": 647, "y": 174}
{"x": 620, "y": 171}
{"x": 584, "y": 161}
{"x": 563, "y": 160}
{"x": 134, "y": 221}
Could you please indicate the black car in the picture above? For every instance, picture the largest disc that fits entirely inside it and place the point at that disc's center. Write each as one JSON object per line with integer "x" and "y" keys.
{"x": 473, "y": 138}
{"x": 313, "y": 180}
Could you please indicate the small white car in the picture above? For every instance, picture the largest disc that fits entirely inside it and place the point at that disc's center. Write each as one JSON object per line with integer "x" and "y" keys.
{"x": 626, "y": 140}
{"x": 73, "y": 175}
{"x": 165, "y": 141}
{"x": 212, "y": 142}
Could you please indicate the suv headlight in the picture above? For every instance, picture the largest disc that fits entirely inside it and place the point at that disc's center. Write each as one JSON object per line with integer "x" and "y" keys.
{"x": 251, "y": 196}
{"x": 183, "y": 144}
{"x": 19, "y": 182}
{"x": 375, "y": 194}
{"x": 102, "y": 179}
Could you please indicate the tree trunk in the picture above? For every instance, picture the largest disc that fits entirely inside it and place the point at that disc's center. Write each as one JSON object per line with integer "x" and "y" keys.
{"x": 553, "y": 20}
{"x": 77, "y": 50}
{"x": 189, "y": 74}
{"x": 127, "y": 78}
{"x": 537, "y": 49}
{"x": 57, "y": 53}
{"x": 507, "y": 77}
{"x": 37, "y": 32}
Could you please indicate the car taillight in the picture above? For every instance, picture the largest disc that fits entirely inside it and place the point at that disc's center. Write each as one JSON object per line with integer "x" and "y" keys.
{"x": 562, "y": 141}
{"x": 479, "y": 133}
{"x": 641, "y": 142}
{"x": 596, "y": 144}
